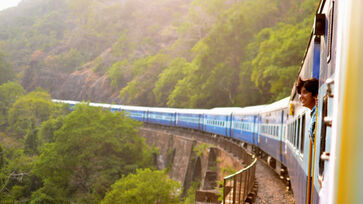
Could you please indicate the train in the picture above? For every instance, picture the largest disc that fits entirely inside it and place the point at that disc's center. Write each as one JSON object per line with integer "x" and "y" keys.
{"x": 326, "y": 171}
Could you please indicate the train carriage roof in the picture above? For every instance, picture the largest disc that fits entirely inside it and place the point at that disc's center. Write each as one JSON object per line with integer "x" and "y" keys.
{"x": 250, "y": 110}
{"x": 135, "y": 108}
{"x": 281, "y": 104}
{"x": 192, "y": 111}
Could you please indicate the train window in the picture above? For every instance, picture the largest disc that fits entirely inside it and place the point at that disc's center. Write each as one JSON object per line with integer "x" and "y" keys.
{"x": 295, "y": 135}
{"x": 330, "y": 31}
{"x": 302, "y": 134}
{"x": 288, "y": 133}
{"x": 298, "y": 134}
{"x": 291, "y": 133}
{"x": 290, "y": 139}
{"x": 275, "y": 131}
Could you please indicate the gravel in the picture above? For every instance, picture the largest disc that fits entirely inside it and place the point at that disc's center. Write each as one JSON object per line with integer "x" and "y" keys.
{"x": 271, "y": 188}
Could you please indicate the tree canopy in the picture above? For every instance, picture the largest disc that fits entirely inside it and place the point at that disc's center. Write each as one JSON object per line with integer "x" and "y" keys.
{"x": 145, "y": 186}
{"x": 9, "y": 93}
{"x": 92, "y": 149}
{"x": 7, "y": 74}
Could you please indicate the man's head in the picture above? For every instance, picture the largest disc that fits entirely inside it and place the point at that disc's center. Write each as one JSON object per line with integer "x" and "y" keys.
{"x": 308, "y": 90}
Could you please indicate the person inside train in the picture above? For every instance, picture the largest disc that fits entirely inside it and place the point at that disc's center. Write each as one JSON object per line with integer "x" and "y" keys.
{"x": 308, "y": 90}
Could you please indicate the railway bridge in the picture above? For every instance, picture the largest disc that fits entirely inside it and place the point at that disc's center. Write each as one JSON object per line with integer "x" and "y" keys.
{"x": 193, "y": 156}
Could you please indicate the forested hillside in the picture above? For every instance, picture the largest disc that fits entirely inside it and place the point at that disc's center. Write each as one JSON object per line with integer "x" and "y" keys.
{"x": 49, "y": 154}
{"x": 177, "y": 53}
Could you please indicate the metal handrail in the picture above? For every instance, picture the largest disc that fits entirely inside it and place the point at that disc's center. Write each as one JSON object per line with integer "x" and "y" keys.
{"x": 237, "y": 186}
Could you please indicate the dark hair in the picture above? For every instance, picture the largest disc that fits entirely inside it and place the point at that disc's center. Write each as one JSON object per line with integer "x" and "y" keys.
{"x": 311, "y": 85}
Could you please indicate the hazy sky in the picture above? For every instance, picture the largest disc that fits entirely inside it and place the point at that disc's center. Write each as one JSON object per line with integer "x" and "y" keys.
{"x": 8, "y": 3}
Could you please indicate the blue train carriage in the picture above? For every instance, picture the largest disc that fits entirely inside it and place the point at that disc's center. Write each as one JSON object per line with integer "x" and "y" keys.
{"x": 323, "y": 60}
{"x": 326, "y": 73}
{"x": 218, "y": 121}
{"x": 297, "y": 148}
{"x": 190, "y": 118}
{"x": 299, "y": 151}
{"x": 139, "y": 113}
{"x": 162, "y": 116}
{"x": 271, "y": 133}
{"x": 245, "y": 123}
{"x": 305, "y": 162}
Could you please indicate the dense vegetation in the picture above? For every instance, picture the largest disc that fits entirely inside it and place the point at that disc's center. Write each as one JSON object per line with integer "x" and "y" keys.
{"x": 175, "y": 53}
{"x": 51, "y": 155}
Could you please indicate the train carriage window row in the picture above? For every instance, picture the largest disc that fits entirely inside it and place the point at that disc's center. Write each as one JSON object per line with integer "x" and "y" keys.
{"x": 216, "y": 123}
{"x": 162, "y": 117}
{"x": 243, "y": 126}
{"x": 132, "y": 114}
{"x": 188, "y": 119}
{"x": 271, "y": 130}
{"x": 296, "y": 133}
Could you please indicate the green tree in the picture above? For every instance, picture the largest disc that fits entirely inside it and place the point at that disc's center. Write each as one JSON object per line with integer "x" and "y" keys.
{"x": 31, "y": 109}
{"x": 145, "y": 71}
{"x": 9, "y": 93}
{"x": 145, "y": 186}
{"x": 16, "y": 180}
{"x": 168, "y": 79}
{"x": 48, "y": 128}
{"x": 218, "y": 56}
{"x": 118, "y": 74}
{"x": 92, "y": 149}
{"x": 277, "y": 61}
{"x": 31, "y": 141}
{"x": 2, "y": 160}
{"x": 6, "y": 71}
